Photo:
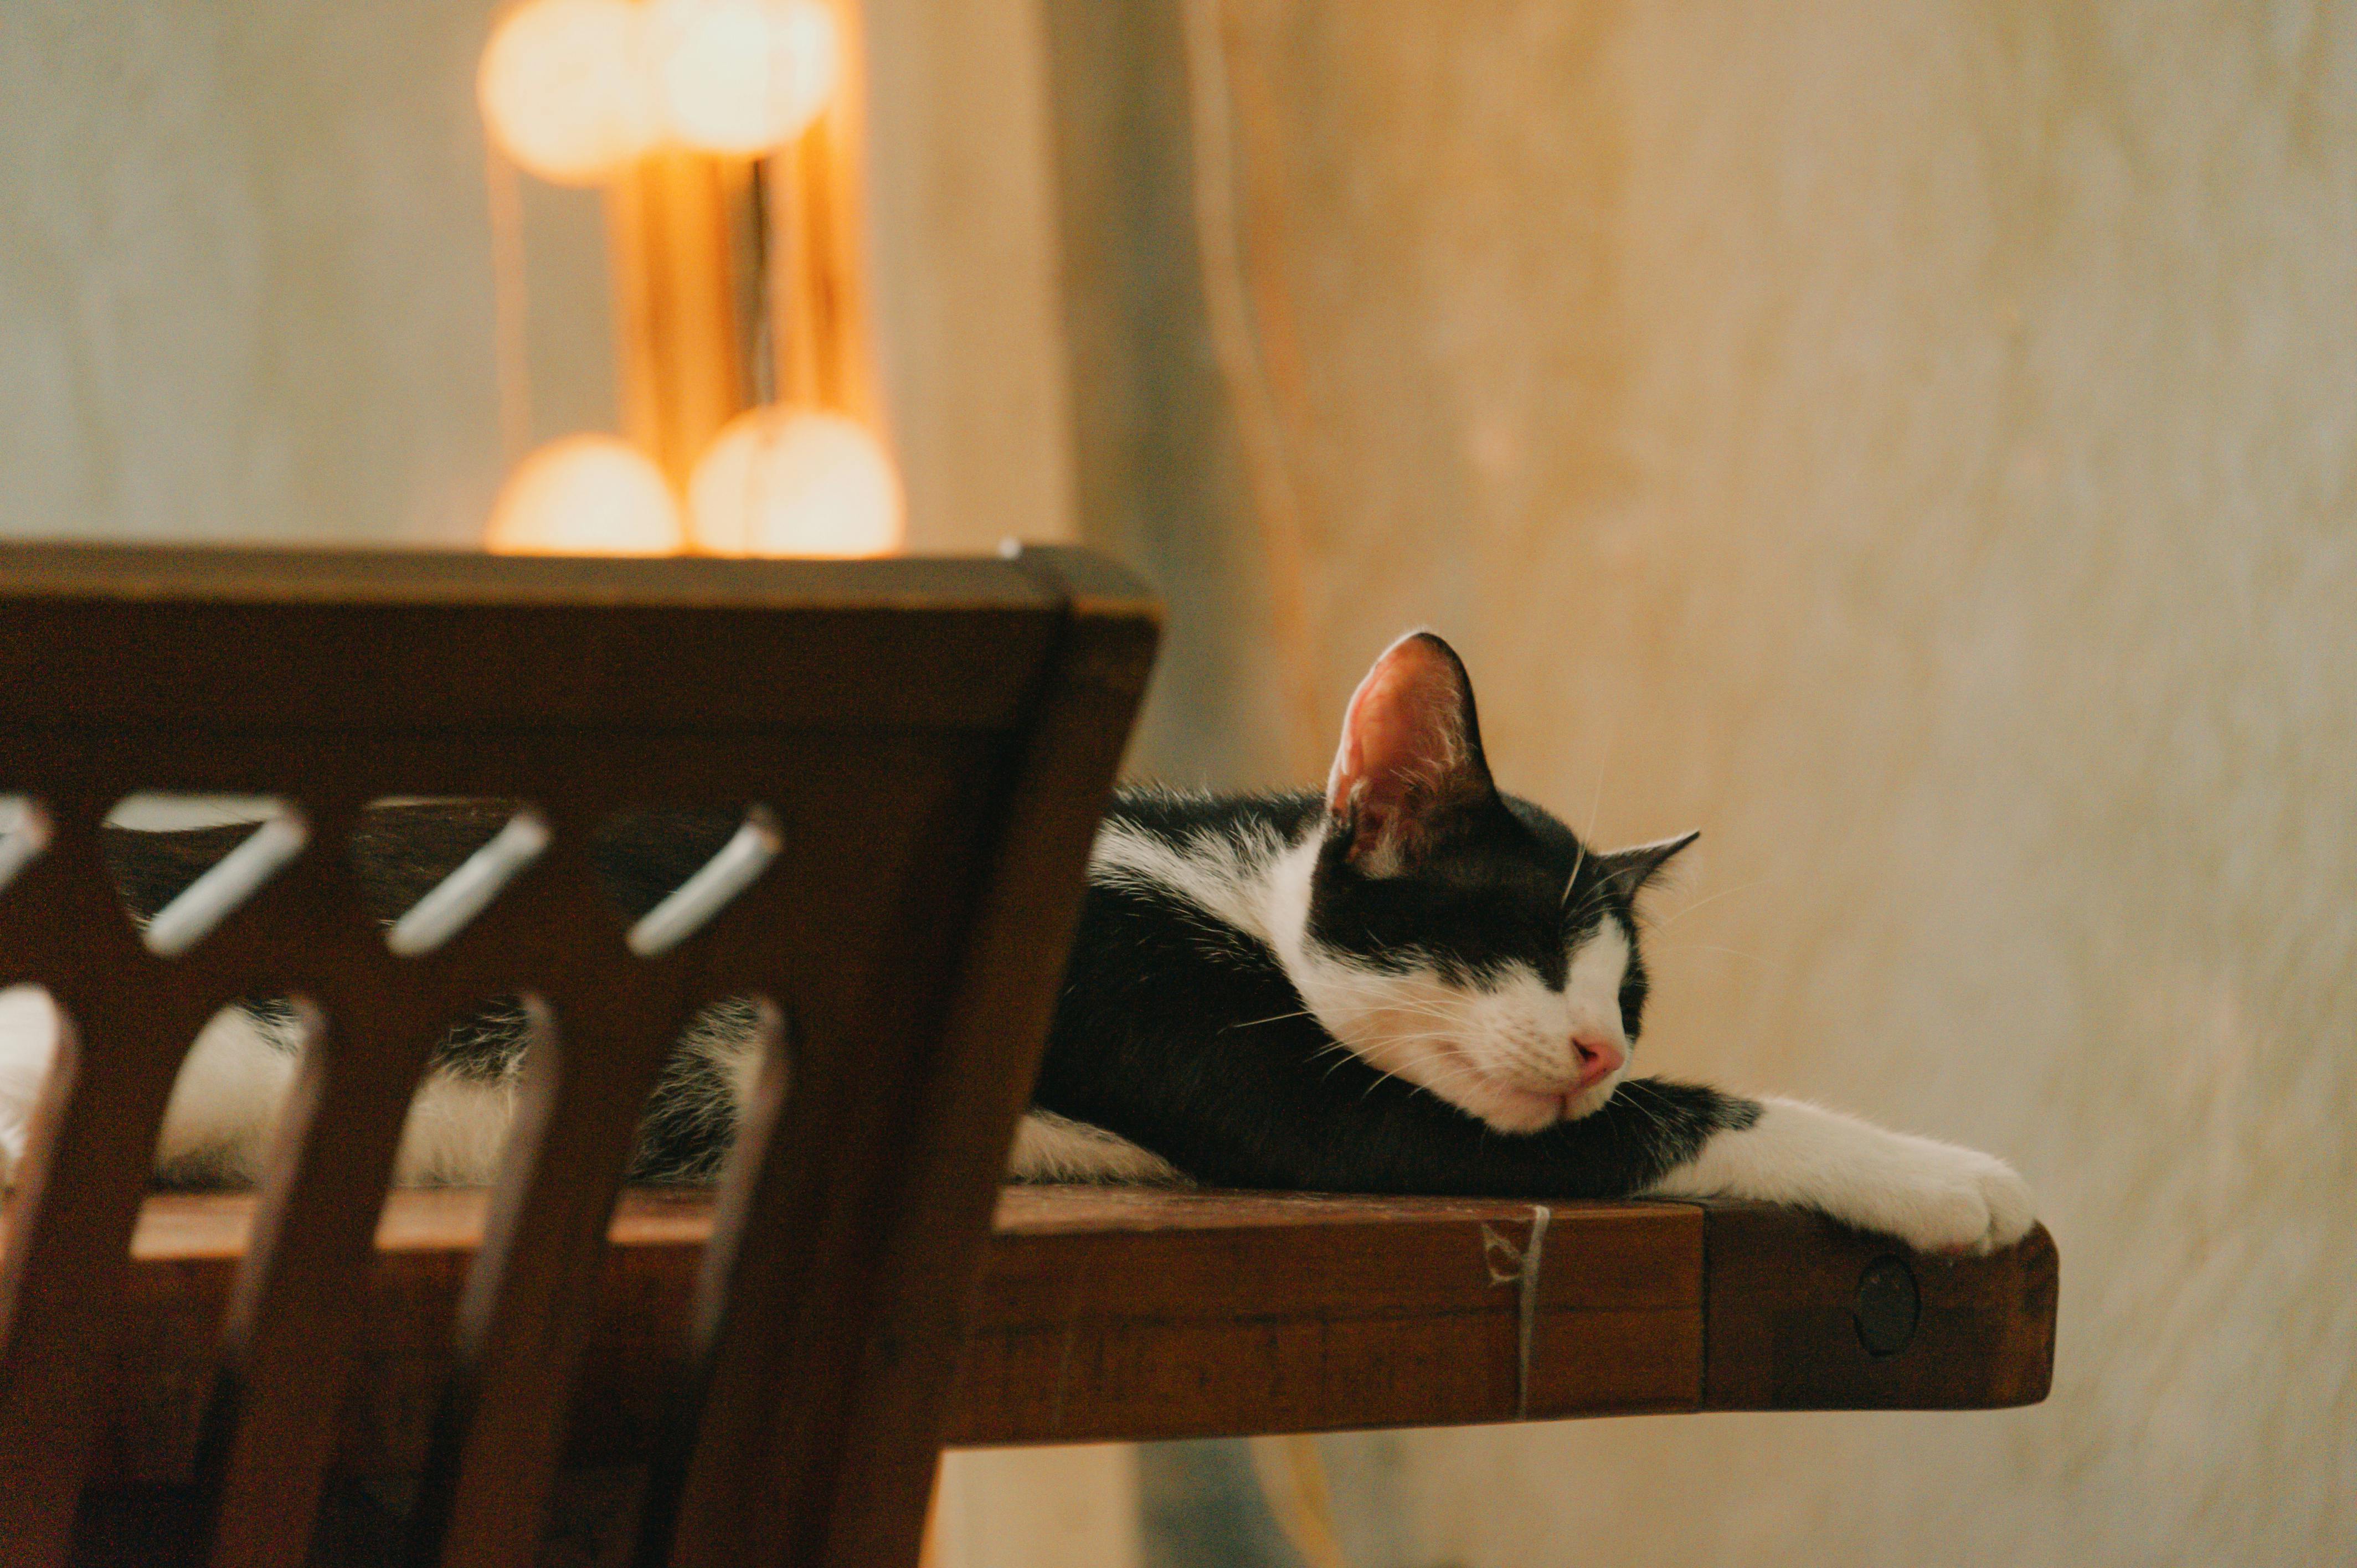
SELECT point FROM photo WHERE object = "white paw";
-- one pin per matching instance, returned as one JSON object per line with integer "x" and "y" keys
{"x": 1938, "y": 1198}
{"x": 1935, "y": 1197}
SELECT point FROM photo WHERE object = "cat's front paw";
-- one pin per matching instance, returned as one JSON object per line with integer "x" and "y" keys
{"x": 1934, "y": 1197}
{"x": 1938, "y": 1198}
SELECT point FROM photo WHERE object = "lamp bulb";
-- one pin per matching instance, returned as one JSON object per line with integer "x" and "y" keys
{"x": 741, "y": 77}
{"x": 563, "y": 88}
{"x": 794, "y": 481}
{"x": 585, "y": 495}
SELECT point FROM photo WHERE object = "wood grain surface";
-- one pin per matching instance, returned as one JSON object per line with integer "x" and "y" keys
{"x": 1143, "y": 1313}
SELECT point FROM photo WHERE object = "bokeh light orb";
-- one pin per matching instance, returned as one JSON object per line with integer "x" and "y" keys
{"x": 586, "y": 495}
{"x": 795, "y": 481}
{"x": 564, "y": 91}
{"x": 740, "y": 76}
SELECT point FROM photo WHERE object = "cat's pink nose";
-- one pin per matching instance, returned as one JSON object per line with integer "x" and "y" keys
{"x": 1597, "y": 1057}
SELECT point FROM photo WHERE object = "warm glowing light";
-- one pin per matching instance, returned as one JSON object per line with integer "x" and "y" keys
{"x": 586, "y": 495}
{"x": 565, "y": 90}
{"x": 794, "y": 481}
{"x": 740, "y": 76}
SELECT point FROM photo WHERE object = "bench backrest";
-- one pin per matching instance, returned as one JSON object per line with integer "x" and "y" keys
{"x": 931, "y": 743}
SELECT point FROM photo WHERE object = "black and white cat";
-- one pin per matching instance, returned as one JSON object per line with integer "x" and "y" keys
{"x": 1412, "y": 984}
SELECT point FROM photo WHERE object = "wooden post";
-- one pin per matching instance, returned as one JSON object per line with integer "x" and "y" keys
{"x": 824, "y": 338}
{"x": 703, "y": 247}
{"x": 678, "y": 221}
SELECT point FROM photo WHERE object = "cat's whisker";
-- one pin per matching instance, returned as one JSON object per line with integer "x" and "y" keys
{"x": 1603, "y": 766}
{"x": 1595, "y": 805}
{"x": 1578, "y": 864}
{"x": 1700, "y": 903}
{"x": 1637, "y": 1104}
{"x": 1273, "y": 1018}
{"x": 1595, "y": 802}
{"x": 1710, "y": 946}
{"x": 1597, "y": 898}
{"x": 1446, "y": 1017}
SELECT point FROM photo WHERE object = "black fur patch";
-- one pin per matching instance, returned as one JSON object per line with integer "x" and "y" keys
{"x": 1501, "y": 883}
{"x": 1186, "y": 1038}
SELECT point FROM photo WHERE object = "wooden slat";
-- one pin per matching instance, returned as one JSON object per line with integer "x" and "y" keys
{"x": 834, "y": 1292}
{"x": 297, "y": 1308}
{"x": 79, "y": 1188}
{"x": 980, "y": 1083}
{"x": 528, "y": 1299}
{"x": 1148, "y": 1314}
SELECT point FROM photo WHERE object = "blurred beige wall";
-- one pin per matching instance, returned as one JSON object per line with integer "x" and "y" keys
{"x": 246, "y": 286}
{"x": 963, "y": 218}
{"x": 1915, "y": 443}
{"x": 244, "y": 274}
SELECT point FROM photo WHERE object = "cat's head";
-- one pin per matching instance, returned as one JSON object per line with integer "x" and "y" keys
{"x": 1458, "y": 937}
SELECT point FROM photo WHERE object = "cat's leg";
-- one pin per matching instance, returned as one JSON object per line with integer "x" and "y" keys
{"x": 29, "y": 1043}
{"x": 456, "y": 1132}
{"x": 225, "y": 1105}
{"x": 1935, "y": 1197}
{"x": 222, "y": 1106}
{"x": 216, "y": 1124}
{"x": 1051, "y": 1148}
{"x": 704, "y": 1094}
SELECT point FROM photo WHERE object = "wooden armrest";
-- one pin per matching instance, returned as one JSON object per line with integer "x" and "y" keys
{"x": 1113, "y": 1313}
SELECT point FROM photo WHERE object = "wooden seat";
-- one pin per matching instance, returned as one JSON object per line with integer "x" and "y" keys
{"x": 773, "y": 1368}
{"x": 1108, "y": 1313}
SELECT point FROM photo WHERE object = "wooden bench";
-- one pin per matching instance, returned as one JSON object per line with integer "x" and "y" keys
{"x": 774, "y": 1367}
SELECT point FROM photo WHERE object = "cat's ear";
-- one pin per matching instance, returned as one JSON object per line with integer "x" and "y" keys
{"x": 1639, "y": 864}
{"x": 1411, "y": 753}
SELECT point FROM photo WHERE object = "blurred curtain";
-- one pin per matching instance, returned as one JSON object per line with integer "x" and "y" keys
{"x": 1914, "y": 444}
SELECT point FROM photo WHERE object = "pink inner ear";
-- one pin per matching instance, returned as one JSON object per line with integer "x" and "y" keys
{"x": 1406, "y": 732}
